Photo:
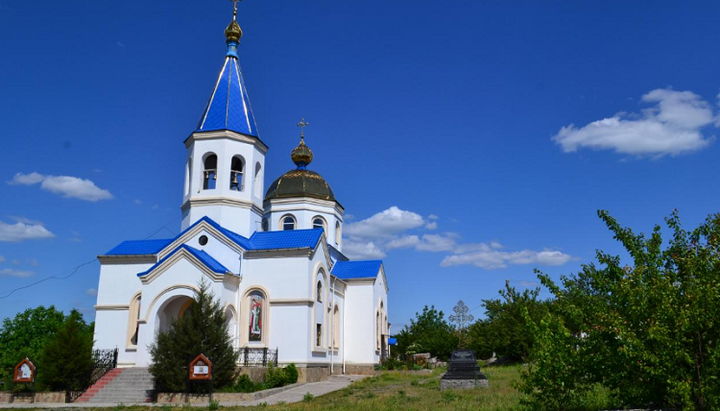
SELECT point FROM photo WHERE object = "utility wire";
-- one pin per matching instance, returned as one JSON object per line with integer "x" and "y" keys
{"x": 74, "y": 271}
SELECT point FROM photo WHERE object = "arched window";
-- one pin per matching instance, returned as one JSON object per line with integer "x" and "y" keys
{"x": 318, "y": 297}
{"x": 133, "y": 321}
{"x": 256, "y": 316}
{"x": 188, "y": 176}
{"x": 336, "y": 327}
{"x": 288, "y": 223}
{"x": 236, "y": 174}
{"x": 210, "y": 172}
{"x": 377, "y": 331}
{"x": 319, "y": 222}
{"x": 258, "y": 180}
{"x": 337, "y": 233}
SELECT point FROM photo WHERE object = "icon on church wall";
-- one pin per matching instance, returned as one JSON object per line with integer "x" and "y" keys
{"x": 256, "y": 318}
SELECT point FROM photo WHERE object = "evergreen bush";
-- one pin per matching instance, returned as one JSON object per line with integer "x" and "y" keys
{"x": 67, "y": 361}
{"x": 203, "y": 329}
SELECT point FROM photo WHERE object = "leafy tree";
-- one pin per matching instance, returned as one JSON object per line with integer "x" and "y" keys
{"x": 503, "y": 331}
{"x": 203, "y": 329}
{"x": 428, "y": 332}
{"x": 67, "y": 358}
{"x": 25, "y": 336}
{"x": 648, "y": 331}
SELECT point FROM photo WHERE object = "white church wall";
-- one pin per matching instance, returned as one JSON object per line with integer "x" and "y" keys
{"x": 238, "y": 211}
{"x": 219, "y": 251}
{"x": 360, "y": 318}
{"x": 289, "y": 332}
{"x": 305, "y": 210}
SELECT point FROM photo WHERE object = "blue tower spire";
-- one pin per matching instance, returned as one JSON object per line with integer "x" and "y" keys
{"x": 229, "y": 105}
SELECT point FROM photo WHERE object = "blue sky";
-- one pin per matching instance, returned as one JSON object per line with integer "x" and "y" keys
{"x": 469, "y": 141}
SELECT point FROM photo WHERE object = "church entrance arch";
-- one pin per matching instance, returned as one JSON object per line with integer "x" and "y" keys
{"x": 174, "y": 307}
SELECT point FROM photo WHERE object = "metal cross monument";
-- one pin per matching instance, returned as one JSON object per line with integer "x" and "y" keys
{"x": 461, "y": 316}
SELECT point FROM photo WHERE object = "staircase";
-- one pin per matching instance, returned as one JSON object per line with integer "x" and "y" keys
{"x": 121, "y": 385}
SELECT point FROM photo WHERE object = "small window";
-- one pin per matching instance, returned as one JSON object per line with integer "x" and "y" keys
{"x": 337, "y": 233}
{"x": 203, "y": 240}
{"x": 318, "y": 338}
{"x": 236, "y": 174}
{"x": 319, "y": 292}
{"x": 265, "y": 225}
{"x": 319, "y": 223}
{"x": 288, "y": 223}
{"x": 210, "y": 172}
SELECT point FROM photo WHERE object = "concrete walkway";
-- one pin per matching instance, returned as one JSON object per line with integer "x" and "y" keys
{"x": 334, "y": 383}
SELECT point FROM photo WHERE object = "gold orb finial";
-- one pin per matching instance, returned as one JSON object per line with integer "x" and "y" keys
{"x": 233, "y": 32}
{"x": 302, "y": 155}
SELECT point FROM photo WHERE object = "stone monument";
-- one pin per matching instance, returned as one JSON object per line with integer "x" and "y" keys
{"x": 463, "y": 372}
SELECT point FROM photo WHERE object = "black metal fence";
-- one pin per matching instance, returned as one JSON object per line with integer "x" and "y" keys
{"x": 257, "y": 357}
{"x": 105, "y": 360}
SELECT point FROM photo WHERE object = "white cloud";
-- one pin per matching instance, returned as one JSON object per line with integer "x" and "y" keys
{"x": 431, "y": 225}
{"x": 362, "y": 250}
{"x": 21, "y": 231}
{"x": 406, "y": 241}
{"x": 16, "y": 273}
{"x": 672, "y": 126}
{"x": 137, "y": 202}
{"x": 2, "y": 259}
{"x": 433, "y": 217}
{"x": 490, "y": 256}
{"x": 528, "y": 284}
{"x": 437, "y": 243}
{"x": 392, "y": 229}
{"x": 67, "y": 186}
{"x": 27, "y": 179}
{"x": 92, "y": 292}
{"x": 385, "y": 224}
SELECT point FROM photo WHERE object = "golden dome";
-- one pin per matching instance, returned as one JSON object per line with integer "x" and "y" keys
{"x": 233, "y": 32}
{"x": 302, "y": 155}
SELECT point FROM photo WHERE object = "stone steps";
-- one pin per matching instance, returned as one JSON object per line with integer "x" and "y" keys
{"x": 121, "y": 385}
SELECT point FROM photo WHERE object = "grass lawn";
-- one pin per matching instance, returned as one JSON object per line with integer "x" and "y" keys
{"x": 401, "y": 390}
{"x": 404, "y": 391}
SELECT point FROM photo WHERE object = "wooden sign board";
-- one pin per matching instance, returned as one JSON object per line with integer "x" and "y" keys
{"x": 24, "y": 372}
{"x": 200, "y": 369}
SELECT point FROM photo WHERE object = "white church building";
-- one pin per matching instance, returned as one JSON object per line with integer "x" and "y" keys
{"x": 273, "y": 258}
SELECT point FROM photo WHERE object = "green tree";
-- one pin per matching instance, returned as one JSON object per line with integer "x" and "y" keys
{"x": 26, "y": 336}
{"x": 428, "y": 332}
{"x": 203, "y": 329}
{"x": 648, "y": 330}
{"x": 503, "y": 331}
{"x": 67, "y": 358}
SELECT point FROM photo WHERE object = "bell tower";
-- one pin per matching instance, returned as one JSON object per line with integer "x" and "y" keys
{"x": 225, "y": 166}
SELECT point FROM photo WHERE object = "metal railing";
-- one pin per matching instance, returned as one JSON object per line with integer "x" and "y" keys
{"x": 257, "y": 357}
{"x": 105, "y": 360}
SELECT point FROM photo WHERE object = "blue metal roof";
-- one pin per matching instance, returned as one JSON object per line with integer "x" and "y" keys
{"x": 392, "y": 341}
{"x": 202, "y": 256}
{"x": 229, "y": 104}
{"x": 235, "y": 237}
{"x": 277, "y": 240}
{"x": 346, "y": 270}
{"x": 140, "y": 247}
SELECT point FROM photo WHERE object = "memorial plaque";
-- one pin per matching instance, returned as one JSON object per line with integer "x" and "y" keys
{"x": 200, "y": 368}
{"x": 24, "y": 372}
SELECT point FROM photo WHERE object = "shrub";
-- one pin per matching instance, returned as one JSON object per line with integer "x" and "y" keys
{"x": 291, "y": 374}
{"x": 67, "y": 357}
{"x": 203, "y": 329}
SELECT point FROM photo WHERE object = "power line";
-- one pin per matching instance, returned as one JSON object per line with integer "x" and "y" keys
{"x": 60, "y": 278}
{"x": 53, "y": 277}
